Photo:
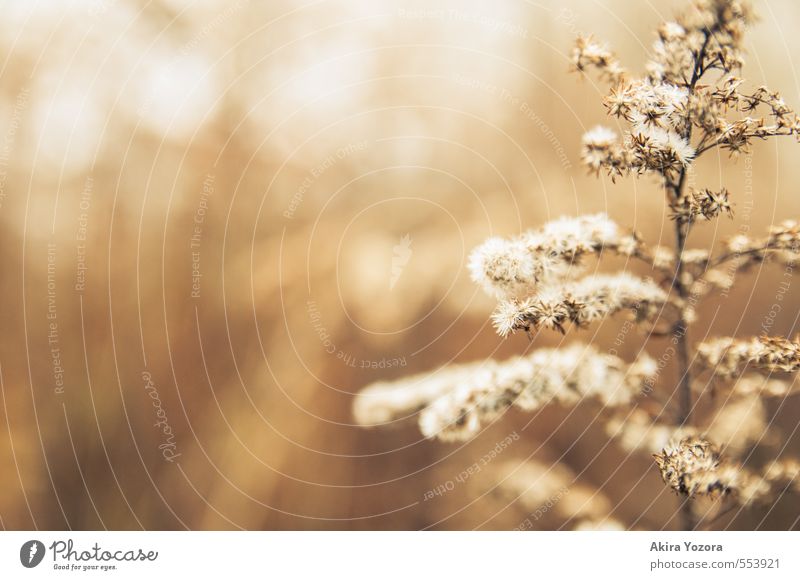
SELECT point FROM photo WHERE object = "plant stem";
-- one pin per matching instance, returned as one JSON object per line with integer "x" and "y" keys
{"x": 687, "y": 520}
{"x": 681, "y": 333}
{"x": 687, "y": 517}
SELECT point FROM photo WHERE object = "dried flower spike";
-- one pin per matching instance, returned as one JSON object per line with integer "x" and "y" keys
{"x": 509, "y": 267}
{"x": 589, "y": 54}
{"x": 693, "y": 466}
{"x": 458, "y": 400}
{"x": 580, "y": 303}
{"x": 730, "y": 357}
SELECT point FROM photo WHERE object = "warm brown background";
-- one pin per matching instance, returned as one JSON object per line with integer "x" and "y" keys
{"x": 447, "y": 126}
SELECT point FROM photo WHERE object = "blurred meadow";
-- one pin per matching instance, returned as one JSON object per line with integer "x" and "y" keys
{"x": 221, "y": 220}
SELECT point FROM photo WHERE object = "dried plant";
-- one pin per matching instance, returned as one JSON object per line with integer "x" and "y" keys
{"x": 553, "y": 494}
{"x": 689, "y": 102}
{"x": 456, "y": 401}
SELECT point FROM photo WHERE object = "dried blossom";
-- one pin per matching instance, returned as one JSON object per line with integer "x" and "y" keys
{"x": 566, "y": 376}
{"x": 696, "y": 258}
{"x": 508, "y": 267}
{"x": 636, "y": 430}
{"x": 735, "y": 426}
{"x": 663, "y": 258}
{"x": 785, "y": 236}
{"x": 663, "y": 107}
{"x": 553, "y": 492}
{"x": 589, "y": 54}
{"x": 649, "y": 106}
{"x": 580, "y": 303}
{"x": 707, "y": 37}
{"x": 739, "y": 424}
{"x": 781, "y": 245}
{"x": 736, "y": 135}
{"x": 715, "y": 278}
{"x": 783, "y": 473}
{"x": 459, "y": 399}
{"x": 776, "y": 478}
{"x": 762, "y": 386}
{"x": 660, "y": 150}
{"x": 703, "y": 204}
{"x": 729, "y": 357}
{"x": 385, "y": 401}
{"x": 602, "y": 150}
{"x": 646, "y": 149}
{"x": 689, "y": 101}
{"x": 692, "y": 466}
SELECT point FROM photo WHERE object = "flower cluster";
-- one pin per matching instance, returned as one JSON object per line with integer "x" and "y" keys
{"x": 669, "y": 116}
{"x": 589, "y": 54}
{"x": 693, "y": 467}
{"x": 534, "y": 275}
{"x": 580, "y": 302}
{"x": 784, "y": 473}
{"x": 664, "y": 107}
{"x": 386, "y": 401}
{"x": 635, "y": 430}
{"x": 730, "y": 357}
{"x": 660, "y": 150}
{"x": 510, "y": 267}
{"x": 735, "y": 427}
{"x": 457, "y": 400}
{"x": 740, "y": 424}
{"x": 647, "y": 147}
{"x": 712, "y": 29}
{"x": 656, "y": 141}
{"x": 647, "y": 105}
{"x": 782, "y": 243}
{"x": 762, "y": 386}
{"x": 602, "y": 150}
{"x": 736, "y": 135}
{"x": 704, "y": 204}
{"x": 785, "y": 236}
{"x": 552, "y": 491}
{"x": 776, "y": 478}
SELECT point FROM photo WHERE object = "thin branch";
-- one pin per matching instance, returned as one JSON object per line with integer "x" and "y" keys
{"x": 688, "y": 520}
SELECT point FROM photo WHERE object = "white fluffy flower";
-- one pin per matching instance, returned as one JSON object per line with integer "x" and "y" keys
{"x": 599, "y": 137}
{"x": 457, "y": 401}
{"x": 502, "y": 266}
{"x": 508, "y": 268}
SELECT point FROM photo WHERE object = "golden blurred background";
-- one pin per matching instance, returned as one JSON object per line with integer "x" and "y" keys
{"x": 220, "y": 220}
